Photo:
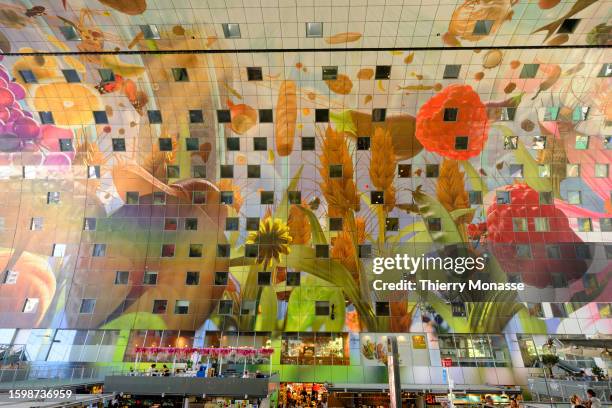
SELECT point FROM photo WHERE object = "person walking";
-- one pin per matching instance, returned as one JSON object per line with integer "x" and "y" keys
{"x": 575, "y": 401}
{"x": 592, "y": 400}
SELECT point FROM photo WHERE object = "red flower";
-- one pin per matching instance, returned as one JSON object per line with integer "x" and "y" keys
{"x": 440, "y": 136}
{"x": 525, "y": 221}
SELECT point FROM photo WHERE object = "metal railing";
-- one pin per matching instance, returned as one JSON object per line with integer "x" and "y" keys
{"x": 52, "y": 376}
{"x": 556, "y": 390}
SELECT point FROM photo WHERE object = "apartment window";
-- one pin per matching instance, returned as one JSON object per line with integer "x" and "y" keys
{"x": 160, "y": 306}
{"x": 254, "y": 74}
{"x": 36, "y": 224}
{"x": 232, "y": 224}
{"x": 605, "y": 224}
{"x": 93, "y": 172}
{"x": 461, "y": 142}
{"x": 322, "y": 115}
{"x": 434, "y": 224}
{"x": 149, "y": 278}
{"x": 383, "y": 72}
{"x": 451, "y": 71}
{"x": 170, "y": 224}
{"x": 122, "y": 277}
{"x": 253, "y": 171}
{"x": 155, "y": 116}
{"x": 308, "y": 143}
{"x": 558, "y": 309}
{"x": 382, "y": 309}
{"x": 100, "y": 117}
{"x": 58, "y": 250}
{"x": 165, "y": 144}
{"x": 294, "y": 197}
{"x": 150, "y": 32}
{"x": 502, "y": 197}
{"x": 606, "y": 70}
{"x": 608, "y": 249}
{"x": 233, "y": 144}
{"x": 475, "y": 197}
{"x": 106, "y": 75}
{"x": 583, "y": 251}
{"x": 507, "y": 114}
{"x": 71, "y": 75}
{"x": 322, "y": 251}
{"x": 132, "y": 197}
{"x": 529, "y": 71}
{"x": 379, "y": 115}
{"x": 87, "y": 306}
{"x": 510, "y": 142}
{"x": 450, "y": 114}
{"x": 30, "y": 305}
{"x": 99, "y": 250}
{"x": 568, "y": 25}
{"x": 541, "y": 224}
{"x": 260, "y": 144}
{"x": 252, "y": 223}
{"x": 118, "y": 145}
{"x": 377, "y": 197}
{"x": 223, "y": 250}
{"x": 322, "y": 308}
{"x": 458, "y": 309}
{"x": 585, "y": 225}
{"x": 10, "y": 277}
{"x": 167, "y": 250}
{"x": 293, "y": 279}
{"x": 181, "y": 307}
{"x": 266, "y": 116}
{"x": 580, "y": 113}
{"x": 335, "y": 224}
{"x": 46, "y": 118}
{"x": 523, "y": 251}
{"x": 28, "y": 76}
{"x": 53, "y": 197}
{"x": 159, "y": 198}
{"x": 70, "y": 33}
{"x": 264, "y": 278}
{"x": 89, "y": 224}
{"x": 226, "y": 197}
{"x": 539, "y": 142}
{"x": 180, "y": 74}
{"x": 363, "y": 143}
{"x": 192, "y": 144}
{"x": 267, "y": 197}
{"x": 432, "y": 170}
{"x": 231, "y": 30}
{"x": 65, "y": 145}
{"x": 483, "y": 27}
{"x": 329, "y": 73}
{"x": 198, "y": 171}
{"x": 173, "y": 171}
{"x": 574, "y": 197}
{"x": 551, "y": 113}
{"x": 516, "y": 170}
{"x": 544, "y": 170}
{"x": 225, "y": 307}
{"x": 365, "y": 251}
{"x": 191, "y": 224}
{"x": 545, "y": 197}
{"x": 251, "y": 251}
{"x": 314, "y": 30}
{"x": 335, "y": 170}
{"x": 227, "y": 171}
{"x": 221, "y": 278}
{"x": 224, "y": 116}
{"x": 404, "y": 170}
{"x": 392, "y": 224}
{"x": 519, "y": 224}
{"x": 573, "y": 170}
{"x": 192, "y": 278}
{"x": 582, "y": 142}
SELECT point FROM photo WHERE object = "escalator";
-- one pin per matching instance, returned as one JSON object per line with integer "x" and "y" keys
{"x": 569, "y": 368}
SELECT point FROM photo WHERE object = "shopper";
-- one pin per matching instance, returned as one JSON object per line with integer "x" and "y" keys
{"x": 575, "y": 401}
{"x": 513, "y": 403}
{"x": 592, "y": 400}
{"x": 201, "y": 372}
{"x": 165, "y": 371}
{"x": 245, "y": 374}
{"x": 153, "y": 372}
{"x": 489, "y": 402}
{"x": 258, "y": 374}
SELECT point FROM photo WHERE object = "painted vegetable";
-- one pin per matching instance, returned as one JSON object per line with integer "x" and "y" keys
{"x": 553, "y": 75}
{"x": 286, "y": 117}
{"x": 243, "y": 117}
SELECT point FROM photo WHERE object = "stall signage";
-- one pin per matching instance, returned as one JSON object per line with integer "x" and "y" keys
{"x": 447, "y": 362}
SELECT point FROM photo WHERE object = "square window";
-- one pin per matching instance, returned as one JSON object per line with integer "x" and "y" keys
{"x": 519, "y": 224}
{"x": 198, "y": 171}
{"x": 165, "y": 144}
{"x": 181, "y": 307}
{"x": 329, "y": 73}
{"x": 541, "y": 224}
{"x": 224, "y": 116}
{"x": 544, "y": 170}
{"x": 167, "y": 250}
{"x": 28, "y": 76}
{"x": 546, "y": 197}
{"x": 322, "y": 115}
{"x": 264, "y": 278}
{"x": 118, "y": 145}
{"x": 558, "y": 281}
{"x": 507, "y": 114}
{"x": 87, "y": 306}
{"x": 65, "y": 145}
{"x": 198, "y": 197}
{"x": 322, "y": 251}
{"x": 226, "y": 197}
{"x": 132, "y": 197}
{"x": 192, "y": 278}
{"x": 225, "y": 307}
{"x": 551, "y": 113}
{"x": 432, "y": 170}
{"x": 582, "y": 142}
{"x": 267, "y": 197}
{"x": 516, "y": 170}
{"x": 585, "y": 225}
{"x": 180, "y": 74}
{"x": 159, "y": 198}
{"x": 70, "y": 33}
{"x": 392, "y": 224}
{"x": 170, "y": 224}
{"x": 196, "y": 116}
{"x": 451, "y": 71}
{"x": 450, "y": 114}
{"x": 308, "y": 143}
{"x": 93, "y": 172}
{"x": 231, "y": 30}
{"x": 221, "y": 278}
{"x": 71, "y": 75}
{"x": 483, "y": 27}
{"x": 191, "y": 224}
{"x": 122, "y": 277}
{"x": 502, "y": 197}
{"x": 379, "y": 115}
{"x": 227, "y": 171}
{"x": 608, "y": 249}
{"x": 322, "y": 308}
{"x": 232, "y": 224}
{"x": 510, "y": 142}
{"x": 605, "y": 224}
{"x": 335, "y": 224}
{"x": 404, "y": 170}
{"x": 383, "y": 309}
{"x": 254, "y": 74}
{"x": 100, "y": 117}
{"x": 233, "y": 144}
{"x": 580, "y": 113}
{"x": 160, "y": 306}
{"x": 363, "y": 143}
{"x": 335, "y": 170}
{"x": 365, "y": 251}
{"x": 149, "y": 278}
{"x": 260, "y": 144}
{"x": 192, "y": 144}
{"x": 36, "y": 224}
{"x": 583, "y": 251}
{"x": 150, "y": 32}
{"x": 99, "y": 250}
{"x": 383, "y": 72}
{"x": 106, "y": 75}
{"x": 266, "y": 116}
{"x": 252, "y": 223}
{"x": 314, "y": 30}
{"x": 46, "y": 118}
{"x": 53, "y": 197}
{"x": 606, "y": 70}
{"x": 30, "y": 305}
{"x": 377, "y": 197}
{"x": 573, "y": 170}
{"x": 461, "y": 142}
{"x": 529, "y": 71}
{"x": 89, "y": 224}
{"x": 475, "y": 197}
{"x": 458, "y": 309}
{"x": 154, "y": 116}
{"x": 568, "y": 26}
{"x": 295, "y": 197}
{"x": 574, "y": 197}
{"x": 251, "y": 250}
{"x": 434, "y": 224}
{"x": 539, "y": 143}
{"x": 253, "y": 171}
{"x": 293, "y": 279}
{"x": 523, "y": 251}
{"x": 173, "y": 171}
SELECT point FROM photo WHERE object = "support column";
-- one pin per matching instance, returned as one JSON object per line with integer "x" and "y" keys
{"x": 395, "y": 384}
